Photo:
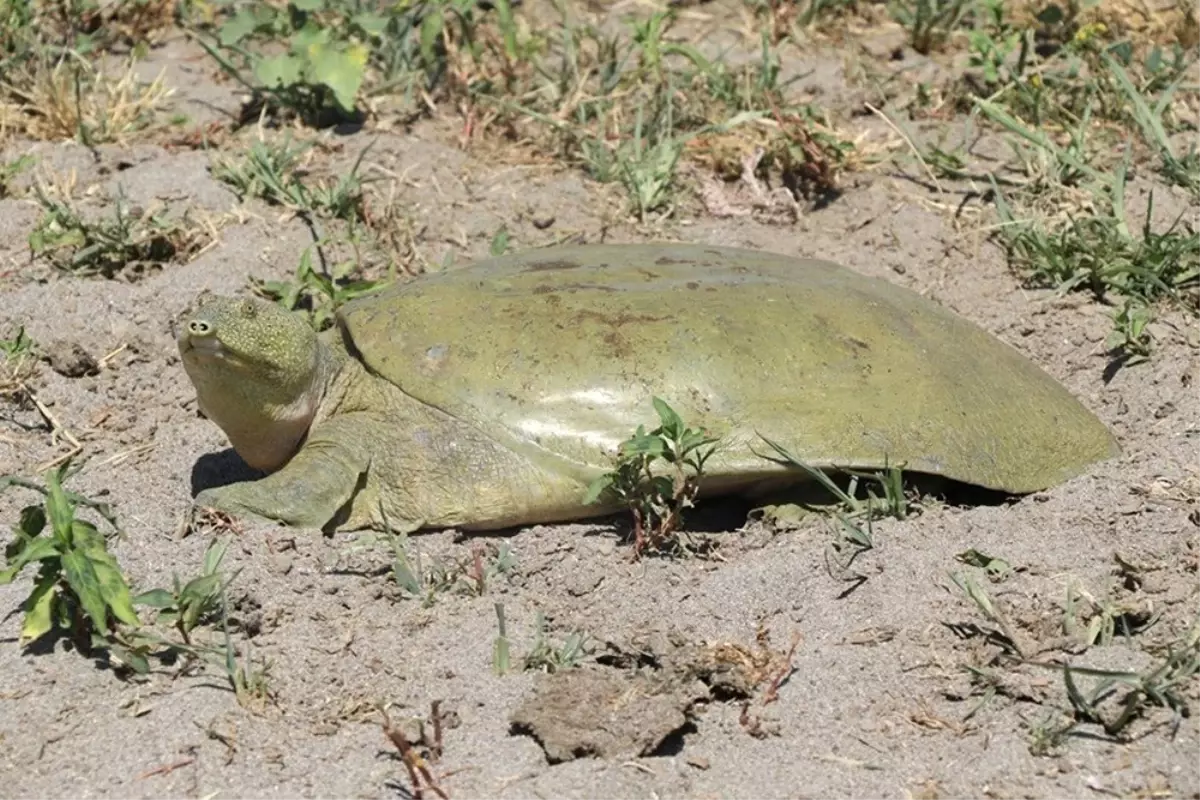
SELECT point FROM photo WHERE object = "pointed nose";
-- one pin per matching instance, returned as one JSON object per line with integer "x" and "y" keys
{"x": 199, "y": 327}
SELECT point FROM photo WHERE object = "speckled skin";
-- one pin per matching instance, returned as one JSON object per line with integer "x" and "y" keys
{"x": 489, "y": 396}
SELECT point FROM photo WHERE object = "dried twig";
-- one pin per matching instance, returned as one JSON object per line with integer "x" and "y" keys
{"x": 165, "y": 769}
{"x": 784, "y": 673}
{"x": 56, "y": 429}
{"x": 414, "y": 762}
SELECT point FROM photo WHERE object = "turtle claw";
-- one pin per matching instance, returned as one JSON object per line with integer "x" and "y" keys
{"x": 225, "y": 499}
{"x": 311, "y": 492}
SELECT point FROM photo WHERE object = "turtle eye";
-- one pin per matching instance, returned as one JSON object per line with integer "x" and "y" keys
{"x": 248, "y": 309}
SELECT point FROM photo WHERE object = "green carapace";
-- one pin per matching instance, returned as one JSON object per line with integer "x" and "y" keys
{"x": 491, "y": 395}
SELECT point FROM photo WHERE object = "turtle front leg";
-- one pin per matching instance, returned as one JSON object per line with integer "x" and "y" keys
{"x": 314, "y": 489}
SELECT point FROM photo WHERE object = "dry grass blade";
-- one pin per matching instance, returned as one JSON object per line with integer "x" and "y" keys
{"x": 74, "y": 99}
{"x": 992, "y": 612}
{"x": 57, "y": 429}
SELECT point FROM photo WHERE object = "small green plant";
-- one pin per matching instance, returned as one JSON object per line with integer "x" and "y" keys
{"x": 501, "y": 659}
{"x": 409, "y": 572}
{"x": 1162, "y": 685}
{"x": 657, "y": 501}
{"x": 1091, "y": 621}
{"x": 645, "y": 163}
{"x": 1181, "y": 170}
{"x": 249, "y": 679}
{"x": 79, "y": 587}
{"x": 130, "y": 241}
{"x": 997, "y": 569}
{"x": 426, "y": 580}
{"x": 1097, "y": 252}
{"x": 630, "y": 107}
{"x": 855, "y": 515}
{"x": 18, "y": 347}
{"x": 894, "y": 499}
{"x": 475, "y": 578}
{"x": 1130, "y": 340}
{"x": 782, "y": 17}
{"x": 186, "y": 605}
{"x": 547, "y": 657}
{"x": 1005, "y": 634}
{"x": 271, "y": 171}
{"x": 647, "y": 168}
{"x": 321, "y": 68}
{"x": 316, "y": 294}
{"x": 1049, "y": 735}
{"x": 930, "y": 23}
{"x": 499, "y": 245}
{"x": 1068, "y": 164}
{"x": 991, "y": 53}
{"x": 17, "y": 366}
{"x": 10, "y": 171}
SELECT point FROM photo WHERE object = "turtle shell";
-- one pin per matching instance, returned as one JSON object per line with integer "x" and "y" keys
{"x": 559, "y": 351}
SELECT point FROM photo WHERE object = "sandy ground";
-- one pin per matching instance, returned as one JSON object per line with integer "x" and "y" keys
{"x": 880, "y": 703}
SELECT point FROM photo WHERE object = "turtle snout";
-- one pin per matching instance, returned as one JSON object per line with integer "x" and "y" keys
{"x": 199, "y": 335}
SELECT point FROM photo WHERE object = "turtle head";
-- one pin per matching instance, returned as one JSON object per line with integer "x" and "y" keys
{"x": 259, "y": 372}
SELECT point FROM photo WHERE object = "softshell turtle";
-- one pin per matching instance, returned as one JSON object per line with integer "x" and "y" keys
{"x": 490, "y": 395}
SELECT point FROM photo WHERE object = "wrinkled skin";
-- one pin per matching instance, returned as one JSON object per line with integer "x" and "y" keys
{"x": 490, "y": 395}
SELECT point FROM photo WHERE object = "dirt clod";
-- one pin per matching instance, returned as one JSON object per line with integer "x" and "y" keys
{"x": 605, "y": 713}
{"x": 69, "y": 359}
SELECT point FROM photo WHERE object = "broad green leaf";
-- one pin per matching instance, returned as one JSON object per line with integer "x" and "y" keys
{"x": 59, "y": 508}
{"x": 38, "y": 607}
{"x": 84, "y": 535}
{"x": 508, "y": 27}
{"x": 82, "y": 578}
{"x": 38, "y": 549}
{"x": 661, "y": 484}
{"x": 693, "y": 438}
{"x": 96, "y": 579}
{"x": 405, "y": 578}
{"x": 155, "y": 598}
{"x": 1050, "y": 15}
{"x": 431, "y": 31}
{"x": 279, "y": 71}
{"x": 371, "y": 24}
{"x": 203, "y": 586}
{"x": 648, "y": 445}
{"x": 1154, "y": 61}
{"x": 238, "y": 27}
{"x": 114, "y": 589}
{"x": 310, "y": 36}
{"x": 670, "y": 420}
{"x": 33, "y": 521}
{"x": 125, "y": 655}
{"x": 341, "y": 70}
{"x": 597, "y": 488}
{"x": 215, "y": 554}
{"x": 499, "y": 244}
{"x": 191, "y": 612}
{"x": 42, "y": 240}
{"x": 308, "y": 5}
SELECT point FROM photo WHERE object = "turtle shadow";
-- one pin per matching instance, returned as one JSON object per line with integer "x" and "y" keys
{"x": 732, "y": 512}
{"x": 212, "y": 470}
